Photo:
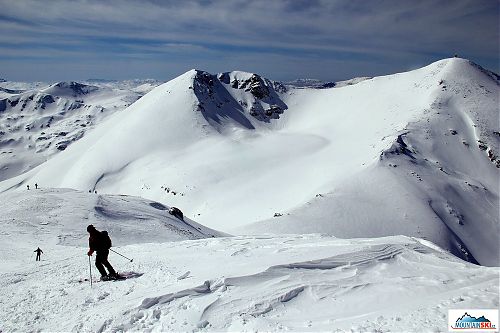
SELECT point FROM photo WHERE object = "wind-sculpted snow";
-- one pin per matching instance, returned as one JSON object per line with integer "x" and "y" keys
{"x": 254, "y": 283}
{"x": 366, "y": 256}
{"x": 337, "y": 292}
{"x": 150, "y": 302}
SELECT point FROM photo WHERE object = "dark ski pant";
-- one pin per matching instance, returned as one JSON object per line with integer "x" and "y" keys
{"x": 101, "y": 260}
{"x": 38, "y": 257}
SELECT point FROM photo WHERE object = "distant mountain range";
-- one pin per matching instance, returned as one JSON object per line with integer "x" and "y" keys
{"x": 38, "y": 120}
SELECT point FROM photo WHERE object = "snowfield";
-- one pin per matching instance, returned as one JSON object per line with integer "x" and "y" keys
{"x": 245, "y": 283}
{"x": 369, "y": 206}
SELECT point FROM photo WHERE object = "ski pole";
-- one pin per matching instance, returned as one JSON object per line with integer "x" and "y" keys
{"x": 122, "y": 255}
{"x": 90, "y": 267}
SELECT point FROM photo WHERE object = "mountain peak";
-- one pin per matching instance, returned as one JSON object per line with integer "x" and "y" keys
{"x": 466, "y": 68}
{"x": 71, "y": 88}
{"x": 246, "y": 98}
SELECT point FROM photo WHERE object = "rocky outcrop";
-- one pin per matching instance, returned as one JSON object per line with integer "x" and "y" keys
{"x": 217, "y": 95}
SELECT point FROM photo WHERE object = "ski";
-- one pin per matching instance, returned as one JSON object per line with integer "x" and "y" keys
{"x": 120, "y": 277}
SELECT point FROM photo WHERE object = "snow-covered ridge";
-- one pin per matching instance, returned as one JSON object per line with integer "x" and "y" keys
{"x": 318, "y": 84}
{"x": 441, "y": 166}
{"x": 398, "y": 154}
{"x": 60, "y": 217}
{"x": 349, "y": 82}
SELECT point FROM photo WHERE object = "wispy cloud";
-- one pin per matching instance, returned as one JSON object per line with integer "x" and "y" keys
{"x": 389, "y": 34}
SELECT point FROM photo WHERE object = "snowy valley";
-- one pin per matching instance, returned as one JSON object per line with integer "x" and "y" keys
{"x": 369, "y": 205}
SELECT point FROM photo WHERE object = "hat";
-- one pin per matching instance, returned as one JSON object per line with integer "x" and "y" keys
{"x": 90, "y": 228}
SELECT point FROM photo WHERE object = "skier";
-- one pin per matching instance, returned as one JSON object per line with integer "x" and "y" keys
{"x": 38, "y": 252}
{"x": 36, "y": 186}
{"x": 28, "y": 187}
{"x": 100, "y": 242}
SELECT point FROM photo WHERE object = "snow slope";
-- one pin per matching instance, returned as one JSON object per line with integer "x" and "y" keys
{"x": 440, "y": 167}
{"x": 54, "y": 218}
{"x": 306, "y": 283}
{"x": 185, "y": 279}
{"x": 412, "y": 153}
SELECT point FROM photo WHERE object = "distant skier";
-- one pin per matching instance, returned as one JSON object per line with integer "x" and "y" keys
{"x": 100, "y": 242}
{"x": 28, "y": 187}
{"x": 38, "y": 252}
{"x": 36, "y": 186}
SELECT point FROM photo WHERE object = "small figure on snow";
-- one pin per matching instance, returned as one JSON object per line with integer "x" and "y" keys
{"x": 38, "y": 252}
{"x": 28, "y": 187}
{"x": 36, "y": 186}
{"x": 100, "y": 242}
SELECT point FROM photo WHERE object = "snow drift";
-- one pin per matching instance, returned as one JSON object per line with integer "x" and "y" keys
{"x": 306, "y": 283}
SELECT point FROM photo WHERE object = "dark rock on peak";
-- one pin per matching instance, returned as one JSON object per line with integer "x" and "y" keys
{"x": 224, "y": 78}
{"x": 328, "y": 85}
{"x": 257, "y": 86}
{"x": 73, "y": 88}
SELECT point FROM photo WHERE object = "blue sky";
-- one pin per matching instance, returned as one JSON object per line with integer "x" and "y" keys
{"x": 280, "y": 39}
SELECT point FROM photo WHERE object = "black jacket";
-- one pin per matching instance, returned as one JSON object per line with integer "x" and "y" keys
{"x": 98, "y": 241}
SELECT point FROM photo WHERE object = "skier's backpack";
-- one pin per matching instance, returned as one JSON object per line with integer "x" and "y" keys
{"x": 106, "y": 241}
{"x": 176, "y": 212}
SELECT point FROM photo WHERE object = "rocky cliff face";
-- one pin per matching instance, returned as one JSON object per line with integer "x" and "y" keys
{"x": 241, "y": 93}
